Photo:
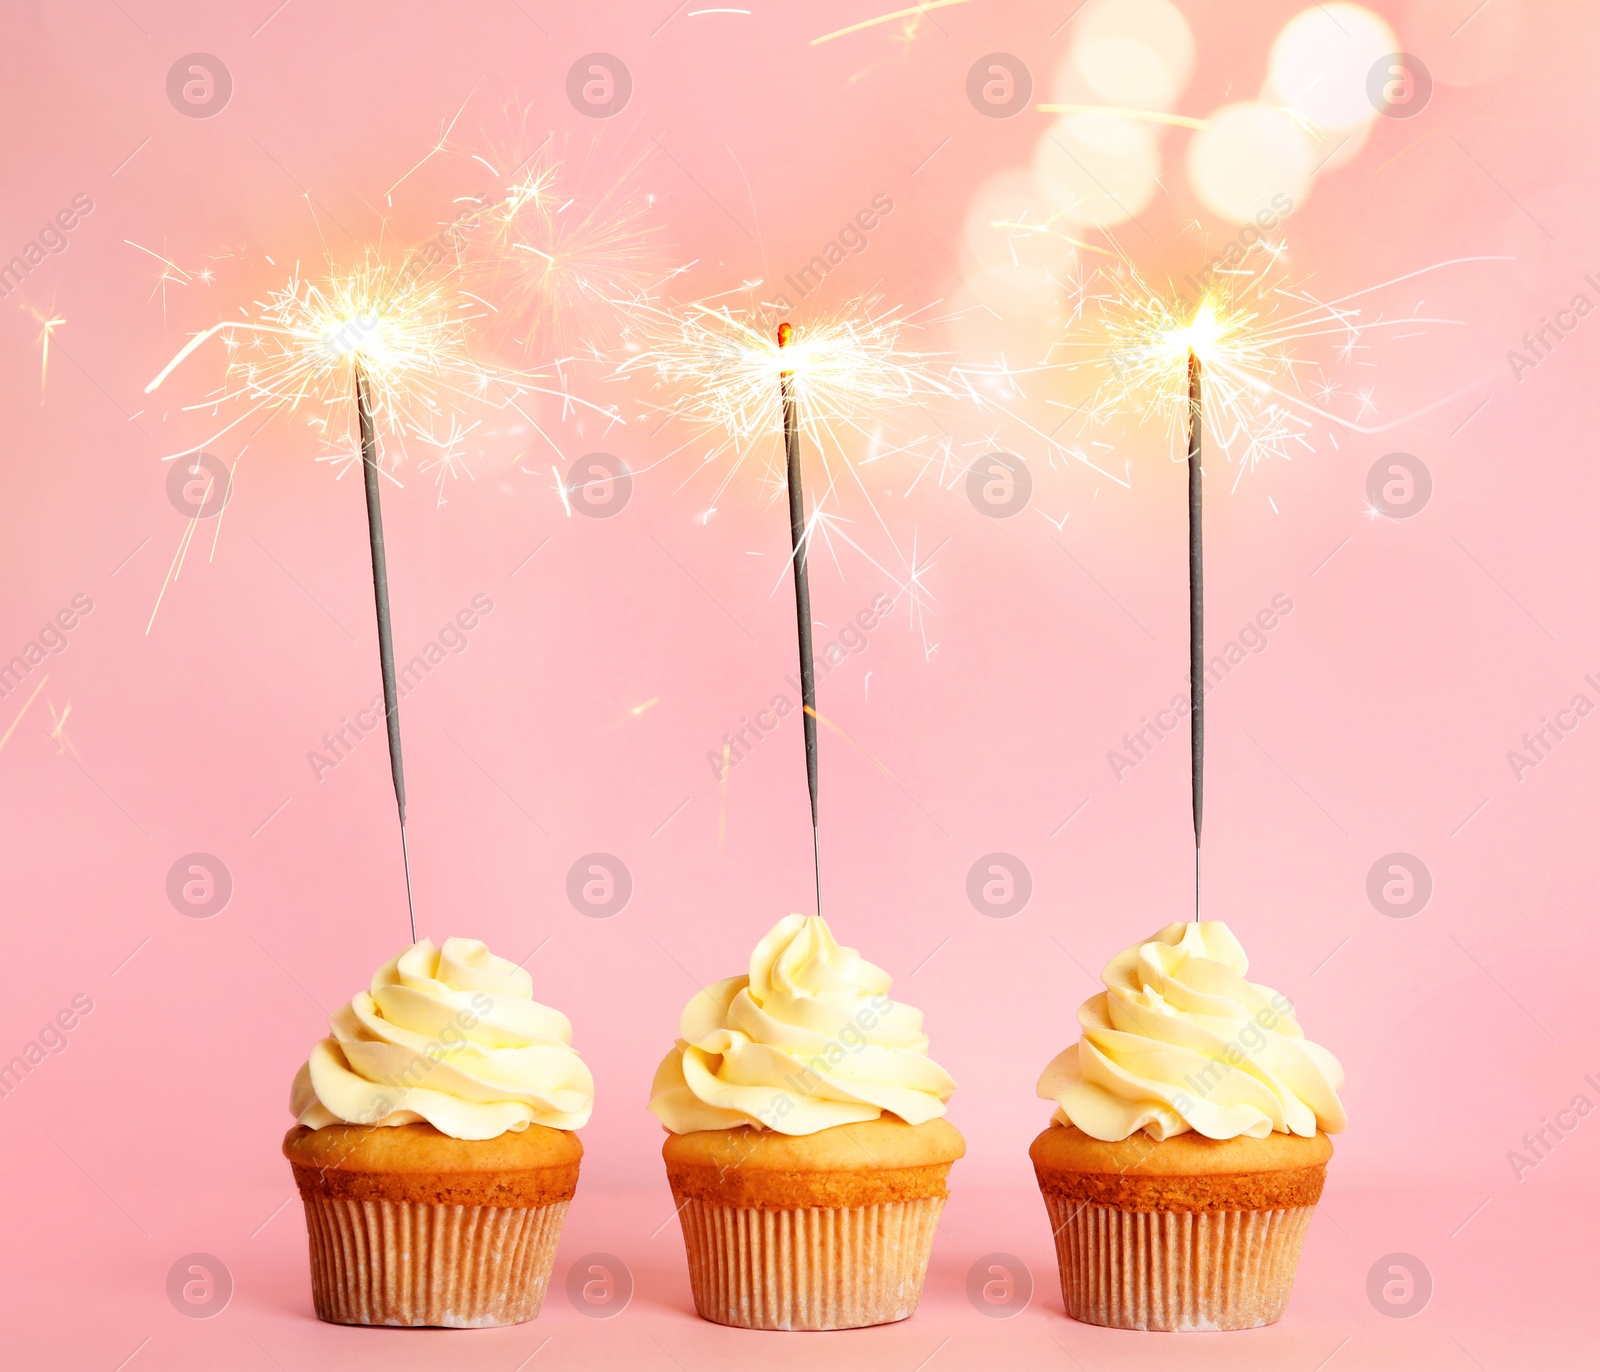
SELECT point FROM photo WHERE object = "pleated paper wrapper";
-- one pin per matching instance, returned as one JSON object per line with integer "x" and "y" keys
{"x": 412, "y": 1263}
{"x": 808, "y": 1268}
{"x": 1175, "y": 1270}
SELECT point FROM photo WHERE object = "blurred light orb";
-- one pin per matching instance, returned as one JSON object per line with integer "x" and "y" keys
{"x": 1249, "y": 155}
{"x": 1135, "y": 53}
{"x": 1320, "y": 61}
{"x": 1011, "y": 223}
{"x": 1097, "y": 169}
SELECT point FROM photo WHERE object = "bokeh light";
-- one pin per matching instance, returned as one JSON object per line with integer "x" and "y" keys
{"x": 1098, "y": 170}
{"x": 1320, "y": 61}
{"x": 1249, "y": 156}
{"x": 1135, "y": 53}
{"x": 1011, "y": 224}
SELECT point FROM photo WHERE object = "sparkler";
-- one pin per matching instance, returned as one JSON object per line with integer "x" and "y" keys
{"x": 802, "y": 589}
{"x": 397, "y": 344}
{"x": 723, "y": 373}
{"x": 1197, "y": 622}
{"x": 1159, "y": 355}
{"x": 380, "y": 595}
{"x": 1254, "y": 330}
{"x": 718, "y": 369}
{"x": 1160, "y": 343}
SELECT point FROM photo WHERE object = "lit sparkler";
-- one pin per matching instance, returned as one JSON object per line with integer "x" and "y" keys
{"x": 715, "y": 369}
{"x": 1253, "y": 330}
{"x": 736, "y": 381}
{"x": 393, "y": 344}
{"x": 1228, "y": 357}
{"x": 719, "y": 370}
{"x": 304, "y": 345}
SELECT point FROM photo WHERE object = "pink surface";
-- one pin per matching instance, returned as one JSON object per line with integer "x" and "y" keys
{"x": 578, "y": 718}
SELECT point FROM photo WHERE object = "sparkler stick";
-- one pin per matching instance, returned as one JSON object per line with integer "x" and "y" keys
{"x": 1197, "y": 622}
{"x": 1155, "y": 355}
{"x": 398, "y": 342}
{"x": 380, "y": 590}
{"x": 802, "y": 591}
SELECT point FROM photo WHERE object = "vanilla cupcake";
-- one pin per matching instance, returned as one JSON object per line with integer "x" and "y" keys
{"x": 1190, "y": 1140}
{"x": 433, "y": 1145}
{"x": 806, "y": 1149}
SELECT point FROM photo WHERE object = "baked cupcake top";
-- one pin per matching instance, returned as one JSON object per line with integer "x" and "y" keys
{"x": 1179, "y": 1040}
{"x": 809, "y": 1039}
{"x": 451, "y": 1036}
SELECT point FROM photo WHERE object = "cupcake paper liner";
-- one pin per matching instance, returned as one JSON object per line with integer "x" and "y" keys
{"x": 1175, "y": 1270}
{"x": 811, "y": 1268}
{"x": 409, "y": 1263}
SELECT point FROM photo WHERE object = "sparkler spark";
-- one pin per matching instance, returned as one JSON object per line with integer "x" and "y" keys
{"x": 47, "y": 326}
{"x": 171, "y": 274}
{"x": 717, "y": 370}
{"x": 556, "y": 254}
{"x": 720, "y": 371}
{"x": 58, "y": 728}
{"x": 913, "y": 12}
{"x": 302, "y": 348}
{"x": 1251, "y": 329}
{"x": 305, "y": 343}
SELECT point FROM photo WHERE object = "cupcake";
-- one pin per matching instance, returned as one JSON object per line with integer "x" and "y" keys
{"x": 1189, "y": 1143}
{"x": 434, "y": 1145}
{"x": 806, "y": 1145}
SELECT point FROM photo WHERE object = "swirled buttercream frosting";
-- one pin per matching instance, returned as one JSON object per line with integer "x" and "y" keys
{"x": 809, "y": 1039}
{"x": 1179, "y": 1040}
{"x": 451, "y": 1036}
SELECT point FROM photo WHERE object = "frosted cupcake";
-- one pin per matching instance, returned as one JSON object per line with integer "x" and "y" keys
{"x": 433, "y": 1146}
{"x": 1190, "y": 1140}
{"x": 807, "y": 1149}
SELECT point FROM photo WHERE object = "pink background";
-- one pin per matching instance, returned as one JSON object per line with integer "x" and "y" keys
{"x": 1378, "y": 720}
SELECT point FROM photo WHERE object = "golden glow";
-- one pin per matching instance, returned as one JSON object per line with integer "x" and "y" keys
{"x": 721, "y": 369}
{"x": 301, "y": 347}
{"x": 1139, "y": 339}
{"x": 1204, "y": 334}
{"x": 1263, "y": 341}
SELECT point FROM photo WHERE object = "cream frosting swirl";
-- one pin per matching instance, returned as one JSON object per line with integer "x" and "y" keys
{"x": 809, "y": 1039}
{"x": 1179, "y": 1040}
{"x": 451, "y": 1036}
